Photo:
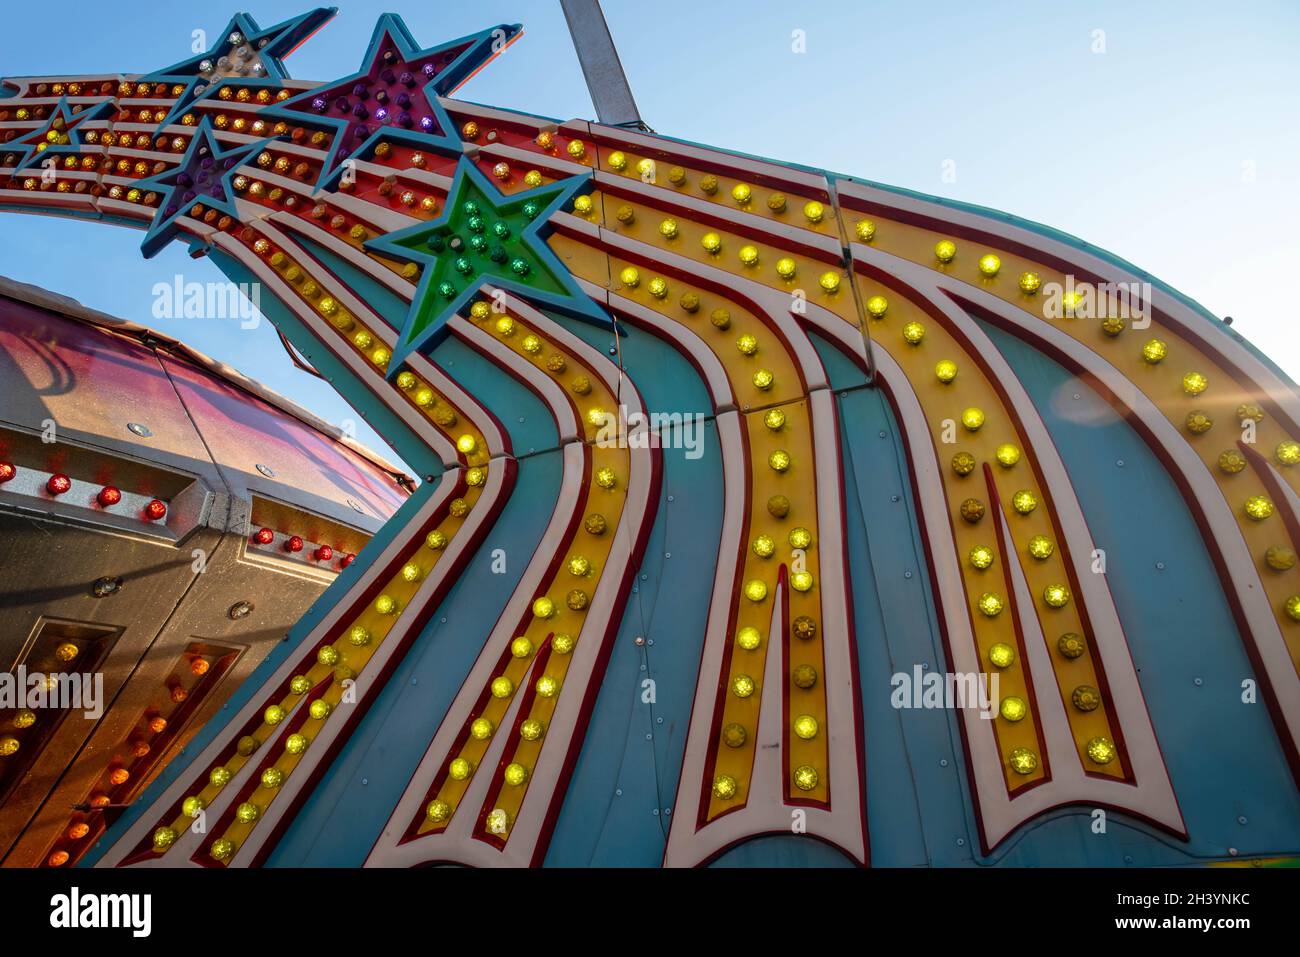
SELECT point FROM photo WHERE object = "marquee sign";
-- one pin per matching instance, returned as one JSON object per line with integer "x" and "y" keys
{"x": 886, "y": 473}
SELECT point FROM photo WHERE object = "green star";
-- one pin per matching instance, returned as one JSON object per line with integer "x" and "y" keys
{"x": 483, "y": 238}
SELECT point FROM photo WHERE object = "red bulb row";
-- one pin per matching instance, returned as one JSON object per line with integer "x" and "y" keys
{"x": 295, "y": 543}
{"x": 108, "y": 496}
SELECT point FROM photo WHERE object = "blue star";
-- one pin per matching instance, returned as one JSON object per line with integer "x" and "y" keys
{"x": 485, "y": 238}
{"x": 203, "y": 176}
{"x": 245, "y": 55}
{"x": 394, "y": 95}
{"x": 62, "y": 120}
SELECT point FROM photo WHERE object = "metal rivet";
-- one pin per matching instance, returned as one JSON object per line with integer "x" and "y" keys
{"x": 265, "y": 470}
{"x": 893, "y": 498}
{"x": 1241, "y": 820}
{"x": 240, "y": 609}
{"x": 1119, "y": 462}
{"x": 961, "y": 842}
{"x": 639, "y": 641}
{"x": 140, "y": 429}
{"x": 907, "y": 574}
{"x": 365, "y": 781}
{"x": 1160, "y": 566}
{"x": 356, "y": 506}
{"x": 103, "y": 587}
{"x": 1197, "y": 681}
{"x": 943, "y": 762}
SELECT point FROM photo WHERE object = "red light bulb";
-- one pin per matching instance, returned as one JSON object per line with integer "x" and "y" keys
{"x": 7, "y": 471}
{"x": 108, "y": 496}
{"x": 264, "y": 536}
{"x": 346, "y": 560}
{"x": 155, "y": 510}
{"x": 324, "y": 553}
{"x": 58, "y": 484}
{"x": 294, "y": 544}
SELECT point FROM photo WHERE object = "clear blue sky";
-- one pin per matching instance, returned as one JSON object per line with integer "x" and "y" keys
{"x": 1178, "y": 148}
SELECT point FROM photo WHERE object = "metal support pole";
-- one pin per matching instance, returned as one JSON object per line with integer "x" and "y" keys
{"x": 601, "y": 68}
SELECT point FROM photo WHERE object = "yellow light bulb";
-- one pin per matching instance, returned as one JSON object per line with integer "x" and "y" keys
{"x": 990, "y": 605}
{"x": 543, "y": 608}
{"x": 829, "y": 281}
{"x": 1280, "y": 558}
{"x": 774, "y": 419}
{"x": 481, "y": 729}
{"x": 981, "y": 556}
{"x": 1024, "y": 501}
{"x": 1259, "y": 507}
{"x": 972, "y": 419}
{"x": 1086, "y": 698}
{"x": 963, "y": 463}
{"x": 1287, "y": 452}
{"x": 1041, "y": 547}
{"x": 1023, "y": 761}
{"x": 814, "y": 211}
{"x": 747, "y": 345}
{"x": 1056, "y": 595}
{"x": 741, "y": 193}
{"x": 801, "y": 581}
{"x": 1101, "y": 750}
{"x": 712, "y": 243}
{"x": 806, "y": 727}
{"x": 755, "y": 590}
{"x": 459, "y": 769}
{"x": 1001, "y": 655}
{"x": 1013, "y": 708}
{"x": 805, "y": 777}
{"x": 617, "y": 161}
{"x": 990, "y": 264}
{"x": 749, "y": 255}
{"x": 521, "y": 647}
{"x": 668, "y": 229}
{"x": 546, "y": 686}
{"x": 502, "y": 687}
{"x": 913, "y": 332}
{"x": 877, "y": 306}
{"x": 1007, "y": 455}
{"x": 748, "y": 638}
{"x": 630, "y": 277}
{"x": 515, "y": 774}
{"x": 1154, "y": 351}
{"x": 785, "y": 267}
{"x": 1030, "y": 282}
{"x": 763, "y": 379}
{"x": 742, "y": 686}
{"x": 1194, "y": 383}
{"x": 865, "y": 230}
{"x": 779, "y": 460}
{"x": 945, "y": 250}
{"x": 945, "y": 370}
{"x": 724, "y": 787}
{"x": 1231, "y": 462}
{"x": 764, "y": 546}
{"x": 606, "y": 477}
